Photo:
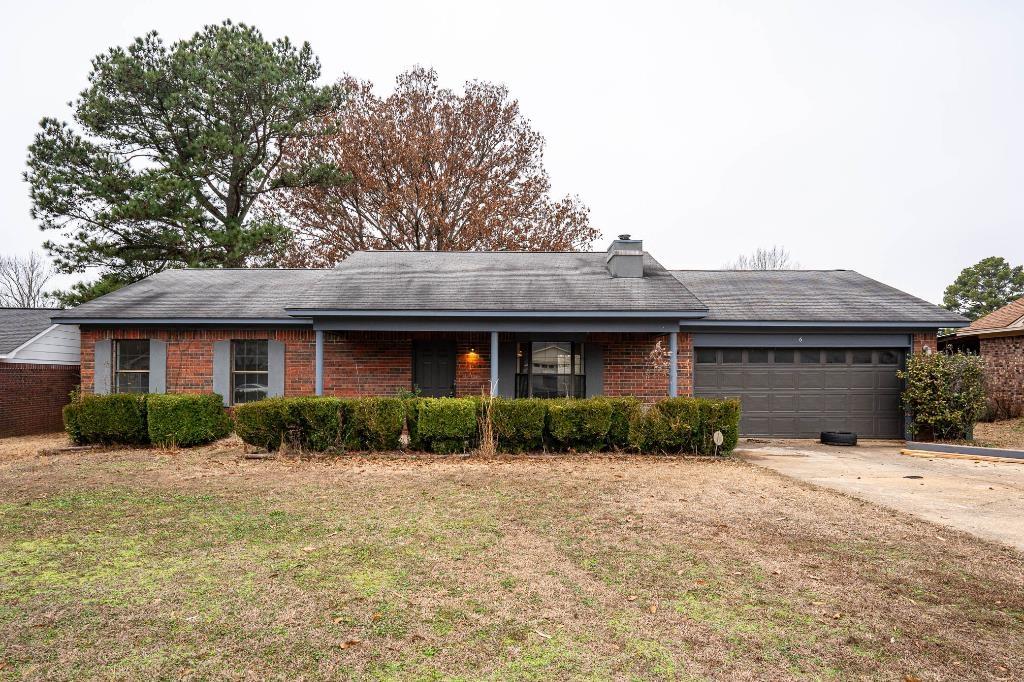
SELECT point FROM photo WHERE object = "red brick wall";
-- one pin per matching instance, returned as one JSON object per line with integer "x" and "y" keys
{"x": 631, "y": 369}
{"x": 923, "y": 339}
{"x": 32, "y": 396}
{"x": 1004, "y": 373}
{"x": 190, "y": 354}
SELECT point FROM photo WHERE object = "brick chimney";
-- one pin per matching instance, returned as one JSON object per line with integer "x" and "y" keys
{"x": 626, "y": 257}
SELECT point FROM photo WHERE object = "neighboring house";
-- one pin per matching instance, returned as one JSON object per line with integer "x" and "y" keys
{"x": 999, "y": 338}
{"x": 38, "y": 369}
{"x": 806, "y": 351}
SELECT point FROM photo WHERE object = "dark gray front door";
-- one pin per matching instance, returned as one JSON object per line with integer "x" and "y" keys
{"x": 798, "y": 393}
{"x": 434, "y": 368}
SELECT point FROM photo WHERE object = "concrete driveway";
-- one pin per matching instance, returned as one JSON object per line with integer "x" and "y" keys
{"x": 983, "y": 498}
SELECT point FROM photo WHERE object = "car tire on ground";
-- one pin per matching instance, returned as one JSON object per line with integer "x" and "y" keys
{"x": 838, "y": 438}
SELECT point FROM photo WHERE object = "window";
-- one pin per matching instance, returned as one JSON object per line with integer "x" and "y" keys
{"x": 249, "y": 371}
{"x": 810, "y": 357}
{"x": 707, "y": 356}
{"x": 732, "y": 356}
{"x": 888, "y": 357}
{"x": 758, "y": 355}
{"x": 862, "y": 357}
{"x": 131, "y": 366}
{"x": 835, "y": 357}
{"x": 550, "y": 369}
{"x": 784, "y": 357}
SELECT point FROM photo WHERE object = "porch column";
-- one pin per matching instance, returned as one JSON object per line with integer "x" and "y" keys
{"x": 319, "y": 362}
{"x": 673, "y": 364}
{"x": 494, "y": 364}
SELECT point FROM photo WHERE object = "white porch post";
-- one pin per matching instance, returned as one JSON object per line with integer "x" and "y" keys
{"x": 494, "y": 364}
{"x": 319, "y": 362}
{"x": 673, "y": 364}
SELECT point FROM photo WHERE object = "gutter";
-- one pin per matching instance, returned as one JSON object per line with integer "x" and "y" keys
{"x": 669, "y": 314}
{"x": 805, "y": 324}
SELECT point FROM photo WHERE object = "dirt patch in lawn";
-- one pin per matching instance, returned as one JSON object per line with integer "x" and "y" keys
{"x": 1008, "y": 433}
{"x": 145, "y": 563}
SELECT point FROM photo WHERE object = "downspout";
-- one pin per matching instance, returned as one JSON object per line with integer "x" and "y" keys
{"x": 319, "y": 362}
{"x": 494, "y": 364}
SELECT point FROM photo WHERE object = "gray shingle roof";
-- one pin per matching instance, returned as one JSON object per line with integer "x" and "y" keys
{"x": 18, "y": 325}
{"x": 212, "y": 294}
{"x": 498, "y": 281}
{"x": 808, "y": 295}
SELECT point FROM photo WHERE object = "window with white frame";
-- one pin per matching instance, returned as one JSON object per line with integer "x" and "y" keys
{"x": 250, "y": 376}
{"x": 131, "y": 366}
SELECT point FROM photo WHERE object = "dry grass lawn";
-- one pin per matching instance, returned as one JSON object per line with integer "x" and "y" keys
{"x": 1008, "y": 433}
{"x": 146, "y": 564}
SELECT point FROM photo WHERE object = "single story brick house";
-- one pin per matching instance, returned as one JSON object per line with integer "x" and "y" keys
{"x": 38, "y": 369}
{"x": 999, "y": 338}
{"x": 804, "y": 350}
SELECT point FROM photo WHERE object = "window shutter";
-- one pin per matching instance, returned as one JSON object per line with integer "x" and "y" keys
{"x": 593, "y": 367}
{"x": 275, "y": 369}
{"x": 102, "y": 369}
{"x": 222, "y": 370}
{"x": 157, "y": 366}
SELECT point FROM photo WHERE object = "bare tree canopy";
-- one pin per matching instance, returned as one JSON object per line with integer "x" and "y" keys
{"x": 22, "y": 281}
{"x": 775, "y": 258}
{"x": 429, "y": 169}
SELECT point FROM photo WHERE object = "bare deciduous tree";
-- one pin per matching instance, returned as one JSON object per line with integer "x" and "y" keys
{"x": 429, "y": 169}
{"x": 775, "y": 258}
{"x": 22, "y": 281}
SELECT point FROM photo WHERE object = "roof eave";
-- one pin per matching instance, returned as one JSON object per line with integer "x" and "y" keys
{"x": 848, "y": 324}
{"x": 656, "y": 314}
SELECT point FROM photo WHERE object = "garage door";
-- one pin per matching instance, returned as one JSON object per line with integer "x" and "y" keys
{"x": 798, "y": 393}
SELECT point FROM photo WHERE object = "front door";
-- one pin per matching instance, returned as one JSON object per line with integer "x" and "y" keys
{"x": 434, "y": 368}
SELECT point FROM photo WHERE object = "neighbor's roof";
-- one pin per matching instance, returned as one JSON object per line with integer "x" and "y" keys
{"x": 229, "y": 294}
{"x": 502, "y": 281}
{"x": 998, "y": 319}
{"x": 18, "y": 325}
{"x": 808, "y": 296}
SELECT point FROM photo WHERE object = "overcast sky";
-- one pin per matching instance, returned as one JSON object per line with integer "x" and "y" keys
{"x": 884, "y": 137}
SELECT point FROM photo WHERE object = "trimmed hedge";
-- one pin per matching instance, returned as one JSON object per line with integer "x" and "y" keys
{"x": 314, "y": 423}
{"x": 262, "y": 423}
{"x": 446, "y": 425}
{"x": 518, "y": 423}
{"x": 581, "y": 425}
{"x": 186, "y": 419}
{"x": 686, "y": 425}
{"x": 624, "y": 411}
{"x": 375, "y": 423}
{"x": 107, "y": 419}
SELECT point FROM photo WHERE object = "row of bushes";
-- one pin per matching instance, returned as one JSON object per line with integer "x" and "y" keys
{"x": 449, "y": 425}
{"x": 177, "y": 419}
{"x": 442, "y": 425}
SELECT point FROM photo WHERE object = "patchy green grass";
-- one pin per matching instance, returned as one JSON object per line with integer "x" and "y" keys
{"x": 144, "y": 564}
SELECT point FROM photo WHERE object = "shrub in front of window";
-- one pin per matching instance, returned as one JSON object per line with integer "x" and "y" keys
{"x": 375, "y": 423}
{"x": 108, "y": 419}
{"x": 580, "y": 425}
{"x": 624, "y": 411}
{"x": 686, "y": 426}
{"x": 186, "y": 419}
{"x": 313, "y": 424}
{"x": 944, "y": 394}
{"x": 518, "y": 423}
{"x": 262, "y": 423}
{"x": 446, "y": 425}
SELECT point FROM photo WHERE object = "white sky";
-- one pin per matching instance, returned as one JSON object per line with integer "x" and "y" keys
{"x": 883, "y": 137}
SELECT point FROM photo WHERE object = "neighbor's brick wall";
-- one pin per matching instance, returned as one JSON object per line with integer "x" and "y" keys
{"x": 629, "y": 368}
{"x": 1004, "y": 372}
{"x": 929, "y": 339}
{"x": 32, "y": 397}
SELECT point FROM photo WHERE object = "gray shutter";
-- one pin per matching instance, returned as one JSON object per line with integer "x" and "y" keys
{"x": 222, "y": 370}
{"x": 593, "y": 367}
{"x": 275, "y": 367}
{"x": 102, "y": 368}
{"x": 507, "y": 369}
{"x": 157, "y": 366}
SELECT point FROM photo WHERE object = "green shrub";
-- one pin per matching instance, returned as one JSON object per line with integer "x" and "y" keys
{"x": 262, "y": 423}
{"x": 412, "y": 416}
{"x": 624, "y": 410}
{"x": 580, "y": 425}
{"x": 314, "y": 423}
{"x": 944, "y": 394}
{"x": 109, "y": 419}
{"x": 518, "y": 424}
{"x": 71, "y": 412}
{"x": 375, "y": 423}
{"x": 686, "y": 425}
{"x": 447, "y": 425}
{"x": 186, "y": 419}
